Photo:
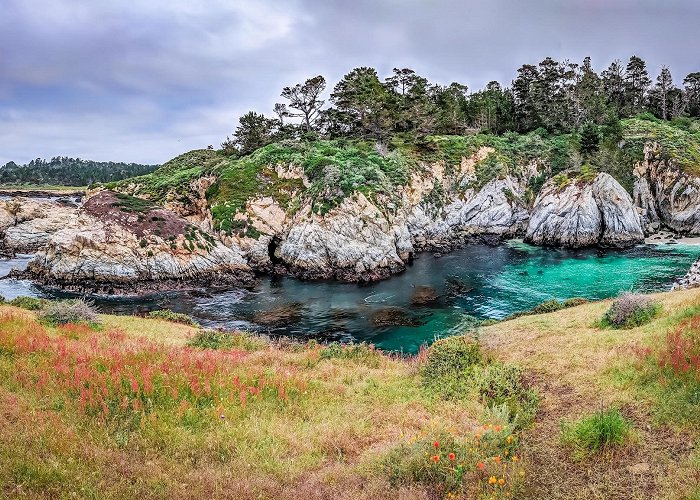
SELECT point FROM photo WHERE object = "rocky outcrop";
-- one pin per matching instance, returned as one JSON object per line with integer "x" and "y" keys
{"x": 355, "y": 241}
{"x": 27, "y": 224}
{"x": 582, "y": 213}
{"x": 119, "y": 245}
{"x": 493, "y": 213}
{"x": 666, "y": 194}
{"x": 690, "y": 280}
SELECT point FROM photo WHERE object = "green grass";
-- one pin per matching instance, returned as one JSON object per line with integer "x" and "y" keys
{"x": 601, "y": 431}
{"x": 174, "y": 317}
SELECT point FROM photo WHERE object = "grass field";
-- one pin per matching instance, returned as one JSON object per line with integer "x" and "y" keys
{"x": 147, "y": 408}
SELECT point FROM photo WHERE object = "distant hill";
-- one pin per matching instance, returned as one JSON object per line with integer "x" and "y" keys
{"x": 66, "y": 171}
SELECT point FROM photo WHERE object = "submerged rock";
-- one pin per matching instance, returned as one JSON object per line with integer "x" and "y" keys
{"x": 394, "y": 316}
{"x": 423, "y": 295}
{"x": 584, "y": 213}
{"x": 121, "y": 244}
{"x": 284, "y": 315}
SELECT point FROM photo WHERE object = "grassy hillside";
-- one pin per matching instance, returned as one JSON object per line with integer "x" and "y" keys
{"x": 144, "y": 407}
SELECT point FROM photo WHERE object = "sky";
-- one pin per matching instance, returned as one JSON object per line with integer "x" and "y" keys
{"x": 145, "y": 80}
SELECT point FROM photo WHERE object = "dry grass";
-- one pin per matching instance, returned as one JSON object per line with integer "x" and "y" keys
{"x": 573, "y": 365}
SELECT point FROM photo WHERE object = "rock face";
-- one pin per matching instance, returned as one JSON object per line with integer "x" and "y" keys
{"x": 690, "y": 280}
{"x": 583, "y": 214}
{"x": 121, "y": 246}
{"x": 27, "y": 224}
{"x": 666, "y": 194}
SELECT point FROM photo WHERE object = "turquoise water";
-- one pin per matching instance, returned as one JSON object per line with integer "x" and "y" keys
{"x": 479, "y": 280}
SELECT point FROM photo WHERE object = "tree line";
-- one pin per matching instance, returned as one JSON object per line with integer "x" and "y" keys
{"x": 558, "y": 96}
{"x": 65, "y": 171}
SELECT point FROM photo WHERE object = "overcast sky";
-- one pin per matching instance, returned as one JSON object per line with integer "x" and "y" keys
{"x": 145, "y": 80}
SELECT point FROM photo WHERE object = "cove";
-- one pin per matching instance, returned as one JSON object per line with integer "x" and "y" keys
{"x": 476, "y": 281}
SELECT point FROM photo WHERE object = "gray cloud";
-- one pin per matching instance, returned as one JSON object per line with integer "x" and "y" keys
{"x": 144, "y": 81}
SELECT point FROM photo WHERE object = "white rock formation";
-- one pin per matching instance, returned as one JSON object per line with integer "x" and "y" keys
{"x": 583, "y": 214}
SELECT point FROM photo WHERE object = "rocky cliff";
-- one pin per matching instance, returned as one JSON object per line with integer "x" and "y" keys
{"x": 119, "y": 244}
{"x": 667, "y": 194}
{"x": 334, "y": 209}
{"x": 27, "y": 224}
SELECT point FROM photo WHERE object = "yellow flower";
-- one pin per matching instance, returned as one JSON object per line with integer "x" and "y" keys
{"x": 493, "y": 480}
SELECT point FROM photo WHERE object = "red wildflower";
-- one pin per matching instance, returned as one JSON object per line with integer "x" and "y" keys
{"x": 451, "y": 456}
{"x": 436, "y": 444}
{"x": 480, "y": 466}
{"x": 435, "y": 458}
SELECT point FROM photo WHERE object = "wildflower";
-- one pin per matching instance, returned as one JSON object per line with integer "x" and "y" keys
{"x": 509, "y": 439}
{"x": 480, "y": 466}
{"x": 436, "y": 444}
{"x": 435, "y": 458}
{"x": 497, "y": 459}
{"x": 515, "y": 458}
{"x": 492, "y": 480}
{"x": 498, "y": 428}
{"x": 501, "y": 481}
{"x": 451, "y": 456}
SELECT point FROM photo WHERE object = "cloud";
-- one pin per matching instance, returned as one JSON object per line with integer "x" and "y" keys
{"x": 146, "y": 80}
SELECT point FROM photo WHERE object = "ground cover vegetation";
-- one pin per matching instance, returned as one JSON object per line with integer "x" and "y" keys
{"x": 544, "y": 405}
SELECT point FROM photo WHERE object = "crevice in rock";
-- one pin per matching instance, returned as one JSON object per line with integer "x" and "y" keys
{"x": 272, "y": 250}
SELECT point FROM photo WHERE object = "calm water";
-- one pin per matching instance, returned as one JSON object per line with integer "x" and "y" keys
{"x": 482, "y": 281}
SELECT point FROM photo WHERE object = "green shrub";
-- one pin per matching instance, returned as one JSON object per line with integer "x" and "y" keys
{"x": 598, "y": 432}
{"x": 575, "y": 301}
{"x": 28, "y": 303}
{"x": 561, "y": 180}
{"x": 68, "y": 311}
{"x": 213, "y": 339}
{"x": 2, "y": 299}
{"x": 501, "y": 385}
{"x": 630, "y": 310}
{"x": 173, "y": 317}
{"x": 548, "y": 307}
{"x": 449, "y": 366}
{"x": 361, "y": 352}
{"x": 587, "y": 172}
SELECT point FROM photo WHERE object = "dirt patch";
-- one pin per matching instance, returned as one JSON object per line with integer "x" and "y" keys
{"x": 139, "y": 216}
